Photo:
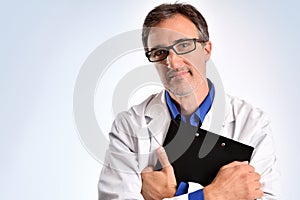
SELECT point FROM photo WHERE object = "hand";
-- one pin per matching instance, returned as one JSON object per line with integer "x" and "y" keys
{"x": 159, "y": 184}
{"x": 237, "y": 180}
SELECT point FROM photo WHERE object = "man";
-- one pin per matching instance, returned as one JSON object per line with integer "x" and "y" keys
{"x": 176, "y": 40}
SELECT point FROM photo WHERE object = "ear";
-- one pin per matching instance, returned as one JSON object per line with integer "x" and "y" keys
{"x": 207, "y": 49}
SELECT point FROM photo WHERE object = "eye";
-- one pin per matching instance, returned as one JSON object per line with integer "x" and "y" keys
{"x": 184, "y": 44}
{"x": 159, "y": 52}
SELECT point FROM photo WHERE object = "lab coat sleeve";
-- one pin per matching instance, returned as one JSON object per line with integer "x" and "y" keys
{"x": 120, "y": 176}
{"x": 265, "y": 161}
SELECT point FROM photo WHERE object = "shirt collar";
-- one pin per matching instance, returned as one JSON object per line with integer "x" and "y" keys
{"x": 200, "y": 113}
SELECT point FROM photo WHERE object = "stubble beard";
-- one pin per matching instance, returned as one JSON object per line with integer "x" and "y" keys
{"x": 182, "y": 88}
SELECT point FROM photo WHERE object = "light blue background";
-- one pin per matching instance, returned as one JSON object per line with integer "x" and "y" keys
{"x": 44, "y": 43}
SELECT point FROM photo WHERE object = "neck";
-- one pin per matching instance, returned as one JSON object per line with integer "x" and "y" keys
{"x": 190, "y": 103}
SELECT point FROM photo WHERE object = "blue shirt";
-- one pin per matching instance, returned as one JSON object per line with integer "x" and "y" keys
{"x": 196, "y": 118}
{"x": 200, "y": 113}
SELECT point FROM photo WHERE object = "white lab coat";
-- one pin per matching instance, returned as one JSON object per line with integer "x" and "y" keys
{"x": 137, "y": 133}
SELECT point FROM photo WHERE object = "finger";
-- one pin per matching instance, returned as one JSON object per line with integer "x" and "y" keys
{"x": 147, "y": 169}
{"x": 255, "y": 176}
{"x": 257, "y": 185}
{"x": 234, "y": 164}
{"x": 258, "y": 194}
{"x": 163, "y": 157}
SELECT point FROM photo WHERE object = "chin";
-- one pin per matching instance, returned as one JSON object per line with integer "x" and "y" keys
{"x": 183, "y": 92}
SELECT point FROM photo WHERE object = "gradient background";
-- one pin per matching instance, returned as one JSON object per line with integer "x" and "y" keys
{"x": 44, "y": 43}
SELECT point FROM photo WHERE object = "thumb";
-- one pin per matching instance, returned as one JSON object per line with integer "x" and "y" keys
{"x": 166, "y": 166}
{"x": 163, "y": 157}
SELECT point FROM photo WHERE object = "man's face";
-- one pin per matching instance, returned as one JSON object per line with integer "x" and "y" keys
{"x": 185, "y": 74}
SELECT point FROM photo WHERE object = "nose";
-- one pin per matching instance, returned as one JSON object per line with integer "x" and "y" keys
{"x": 174, "y": 61}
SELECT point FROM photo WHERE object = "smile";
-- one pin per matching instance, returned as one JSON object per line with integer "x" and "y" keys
{"x": 179, "y": 75}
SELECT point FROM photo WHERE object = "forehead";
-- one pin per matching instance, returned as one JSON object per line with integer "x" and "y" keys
{"x": 170, "y": 30}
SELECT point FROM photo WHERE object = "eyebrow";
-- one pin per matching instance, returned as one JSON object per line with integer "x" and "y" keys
{"x": 174, "y": 42}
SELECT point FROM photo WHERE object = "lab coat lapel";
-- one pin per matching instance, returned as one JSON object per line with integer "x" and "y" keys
{"x": 228, "y": 119}
{"x": 158, "y": 119}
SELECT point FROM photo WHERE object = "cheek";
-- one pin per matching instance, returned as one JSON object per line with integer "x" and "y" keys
{"x": 196, "y": 57}
{"x": 197, "y": 64}
{"x": 162, "y": 70}
{"x": 197, "y": 61}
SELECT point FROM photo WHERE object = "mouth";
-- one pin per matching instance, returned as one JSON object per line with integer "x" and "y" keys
{"x": 178, "y": 74}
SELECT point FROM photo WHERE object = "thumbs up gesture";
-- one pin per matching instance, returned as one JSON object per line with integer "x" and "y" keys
{"x": 159, "y": 184}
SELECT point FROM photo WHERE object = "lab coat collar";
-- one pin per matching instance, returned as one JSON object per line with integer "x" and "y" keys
{"x": 158, "y": 105}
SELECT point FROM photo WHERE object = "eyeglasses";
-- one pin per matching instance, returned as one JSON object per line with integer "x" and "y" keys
{"x": 182, "y": 46}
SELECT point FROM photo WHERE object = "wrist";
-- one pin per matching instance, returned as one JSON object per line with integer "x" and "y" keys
{"x": 207, "y": 193}
{"x": 210, "y": 193}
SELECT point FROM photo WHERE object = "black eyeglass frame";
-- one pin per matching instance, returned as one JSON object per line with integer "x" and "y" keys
{"x": 167, "y": 49}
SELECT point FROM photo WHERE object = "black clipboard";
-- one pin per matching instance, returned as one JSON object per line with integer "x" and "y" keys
{"x": 183, "y": 150}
